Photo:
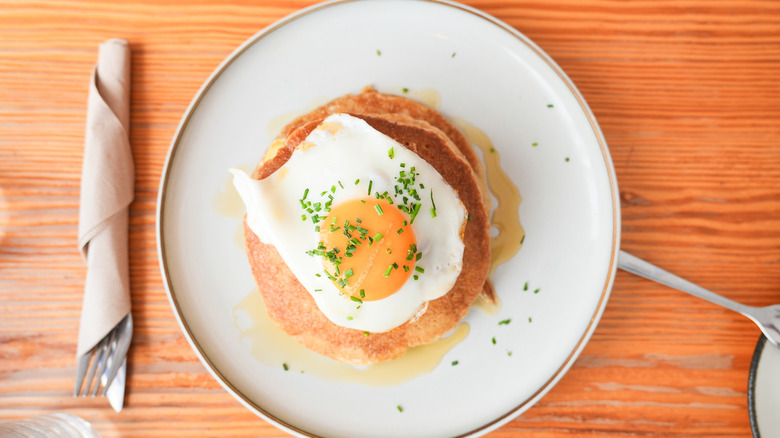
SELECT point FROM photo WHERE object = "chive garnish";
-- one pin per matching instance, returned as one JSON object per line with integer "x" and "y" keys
{"x": 357, "y": 181}
{"x": 391, "y": 153}
{"x": 504, "y": 322}
{"x": 493, "y": 340}
{"x": 349, "y": 273}
{"x": 378, "y": 209}
{"x": 362, "y": 293}
{"x": 284, "y": 365}
{"x": 355, "y": 299}
{"x": 370, "y": 183}
{"x": 377, "y": 236}
{"x": 400, "y": 409}
{"x": 454, "y": 362}
{"x": 388, "y": 270}
{"x": 419, "y": 269}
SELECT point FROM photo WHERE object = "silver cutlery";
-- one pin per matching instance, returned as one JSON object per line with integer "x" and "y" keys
{"x": 767, "y": 318}
{"x": 104, "y": 361}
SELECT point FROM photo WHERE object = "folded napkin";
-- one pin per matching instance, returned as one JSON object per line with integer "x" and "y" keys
{"x": 107, "y": 179}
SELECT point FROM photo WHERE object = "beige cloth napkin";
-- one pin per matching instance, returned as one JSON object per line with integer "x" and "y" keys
{"x": 107, "y": 179}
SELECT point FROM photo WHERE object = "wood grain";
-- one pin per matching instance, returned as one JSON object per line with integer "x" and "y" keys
{"x": 688, "y": 97}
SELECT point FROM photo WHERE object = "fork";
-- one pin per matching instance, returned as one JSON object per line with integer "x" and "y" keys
{"x": 766, "y": 318}
{"x": 104, "y": 359}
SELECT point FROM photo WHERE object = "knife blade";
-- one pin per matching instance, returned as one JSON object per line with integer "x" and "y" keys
{"x": 116, "y": 391}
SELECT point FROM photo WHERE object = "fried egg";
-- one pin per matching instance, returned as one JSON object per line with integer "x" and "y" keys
{"x": 371, "y": 230}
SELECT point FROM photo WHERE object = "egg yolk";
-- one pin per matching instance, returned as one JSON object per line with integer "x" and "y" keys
{"x": 376, "y": 248}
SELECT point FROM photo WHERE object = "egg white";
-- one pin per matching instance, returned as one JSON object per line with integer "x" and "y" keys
{"x": 341, "y": 151}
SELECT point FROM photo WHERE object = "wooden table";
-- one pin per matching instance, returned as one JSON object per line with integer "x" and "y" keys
{"x": 687, "y": 95}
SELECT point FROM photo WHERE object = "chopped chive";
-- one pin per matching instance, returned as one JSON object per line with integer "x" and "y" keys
{"x": 454, "y": 362}
{"x": 400, "y": 409}
{"x": 419, "y": 269}
{"x": 388, "y": 270}
{"x": 284, "y": 365}
{"x": 529, "y": 319}
{"x": 391, "y": 153}
{"x": 378, "y": 209}
{"x": 493, "y": 340}
{"x": 355, "y": 299}
{"x": 525, "y": 286}
{"x": 349, "y": 318}
{"x": 317, "y": 290}
{"x": 400, "y": 230}
{"x": 357, "y": 181}
{"x": 536, "y": 291}
{"x": 416, "y": 277}
{"x": 549, "y": 105}
{"x": 504, "y": 322}
{"x": 349, "y": 273}
{"x": 362, "y": 293}
{"x": 370, "y": 183}
{"x": 534, "y": 144}
{"x": 378, "y": 52}
{"x": 341, "y": 185}
{"x": 303, "y": 217}
{"x": 377, "y": 236}
{"x": 405, "y": 90}
{"x": 389, "y": 251}
{"x": 305, "y": 194}
{"x": 366, "y": 334}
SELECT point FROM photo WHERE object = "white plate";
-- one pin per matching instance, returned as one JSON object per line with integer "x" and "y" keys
{"x": 484, "y": 72}
{"x": 764, "y": 390}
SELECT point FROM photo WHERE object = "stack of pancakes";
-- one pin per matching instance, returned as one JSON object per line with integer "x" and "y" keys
{"x": 427, "y": 133}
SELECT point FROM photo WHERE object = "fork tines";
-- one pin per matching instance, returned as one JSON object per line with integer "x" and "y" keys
{"x": 100, "y": 365}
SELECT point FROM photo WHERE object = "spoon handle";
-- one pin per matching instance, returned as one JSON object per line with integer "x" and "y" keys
{"x": 637, "y": 266}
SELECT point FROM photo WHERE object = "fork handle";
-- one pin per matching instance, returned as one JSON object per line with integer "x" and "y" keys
{"x": 637, "y": 266}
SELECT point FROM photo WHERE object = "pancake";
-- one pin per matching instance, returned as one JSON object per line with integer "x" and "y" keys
{"x": 419, "y": 129}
